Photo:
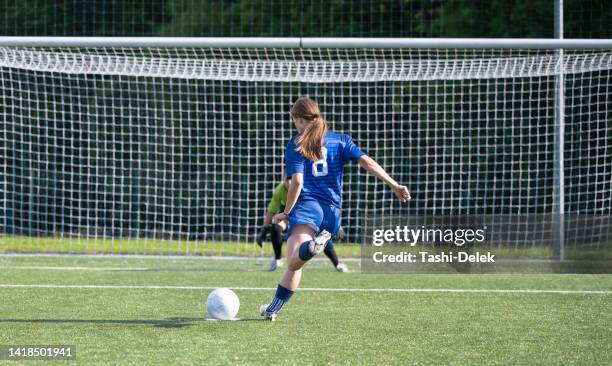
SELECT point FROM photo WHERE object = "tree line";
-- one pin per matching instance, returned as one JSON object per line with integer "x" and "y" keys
{"x": 318, "y": 18}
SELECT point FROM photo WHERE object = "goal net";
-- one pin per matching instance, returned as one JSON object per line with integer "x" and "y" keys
{"x": 161, "y": 150}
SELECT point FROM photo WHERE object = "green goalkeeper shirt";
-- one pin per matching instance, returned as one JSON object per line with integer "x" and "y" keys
{"x": 279, "y": 198}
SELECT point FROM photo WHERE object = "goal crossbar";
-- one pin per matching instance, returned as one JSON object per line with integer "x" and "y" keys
{"x": 306, "y": 42}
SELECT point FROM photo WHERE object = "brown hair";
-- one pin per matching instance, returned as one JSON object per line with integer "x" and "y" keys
{"x": 310, "y": 142}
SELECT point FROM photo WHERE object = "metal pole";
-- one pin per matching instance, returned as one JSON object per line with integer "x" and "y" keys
{"x": 260, "y": 42}
{"x": 558, "y": 175}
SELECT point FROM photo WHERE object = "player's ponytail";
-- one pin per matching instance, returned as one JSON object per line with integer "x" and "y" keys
{"x": 310, "y": 142}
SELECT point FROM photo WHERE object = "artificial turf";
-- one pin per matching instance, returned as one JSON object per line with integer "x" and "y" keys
{"x": 364, "y": 321}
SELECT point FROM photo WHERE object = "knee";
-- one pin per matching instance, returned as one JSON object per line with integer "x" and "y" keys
{"x": 295, "y": 263}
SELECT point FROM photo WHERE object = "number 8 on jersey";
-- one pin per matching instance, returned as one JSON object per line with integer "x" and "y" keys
{"x": 319, "y": 167}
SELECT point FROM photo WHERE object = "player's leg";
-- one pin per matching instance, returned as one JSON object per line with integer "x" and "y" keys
{"x": 305, "y": 247}
{"x": 277, "y": 240}
{"x": 308, "y": 217}
{"x": 292, "y": 276}
{"x": 299, "y": 235}
{"x": 330, "y": 252}
{"x": 277, "y": 244}
{"x": 301, "y": 247}
{"x": 332, "y": 222}
{"x": 302, "y": 236}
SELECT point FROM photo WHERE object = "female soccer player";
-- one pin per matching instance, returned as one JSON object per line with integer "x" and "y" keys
{"x": 314, "y": 159}
{"x": 277, "y": 204}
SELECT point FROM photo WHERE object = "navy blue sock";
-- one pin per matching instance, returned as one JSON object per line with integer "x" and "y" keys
{"x": 281, "y": 297}
{"x": 305, "y": 254}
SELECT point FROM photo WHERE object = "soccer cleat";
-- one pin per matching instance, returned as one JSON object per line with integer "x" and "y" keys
{"x": 275, "y": 264}
{"x": 270, "y": 317}
{"x": 341, "y": 267}
{"x": 317, "y": 245}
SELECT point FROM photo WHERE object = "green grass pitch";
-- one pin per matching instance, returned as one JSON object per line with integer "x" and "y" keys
{"x": 167, "y": 324}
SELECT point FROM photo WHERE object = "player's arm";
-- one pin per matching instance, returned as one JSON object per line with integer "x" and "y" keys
{"x": 267, "y": 219}
{"x": 294, "y": 165}
{"x": 351, "y": 152}
{"x": 375, "y": 169}
{"x": 293, "y": 193}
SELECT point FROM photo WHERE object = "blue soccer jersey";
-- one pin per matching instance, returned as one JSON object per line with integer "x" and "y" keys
{"x": 323, "y": 178}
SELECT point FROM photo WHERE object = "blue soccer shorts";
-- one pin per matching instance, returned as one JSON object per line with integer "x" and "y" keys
{"x": 316, "y": 215}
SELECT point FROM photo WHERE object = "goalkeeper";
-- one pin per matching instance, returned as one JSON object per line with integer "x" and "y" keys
{"x": 276, "y": 205}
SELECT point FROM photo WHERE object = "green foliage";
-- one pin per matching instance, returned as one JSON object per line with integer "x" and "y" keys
{"x": 27, "y": 17}
{"x": 81, "y": 17}
{"x": 316, "y": 18}
{"x": 489, "y": 19}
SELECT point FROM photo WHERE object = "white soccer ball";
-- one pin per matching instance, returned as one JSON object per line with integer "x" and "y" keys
{"x": 223, "y": 304}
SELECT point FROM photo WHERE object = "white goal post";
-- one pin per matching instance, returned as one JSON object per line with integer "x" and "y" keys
{"x": 305, "y": 42}
{"x": 180, "y": 140}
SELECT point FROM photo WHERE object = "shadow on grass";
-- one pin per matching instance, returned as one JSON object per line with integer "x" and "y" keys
{"x": 173, "y": 322}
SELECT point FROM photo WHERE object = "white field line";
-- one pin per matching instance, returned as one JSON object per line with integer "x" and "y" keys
{"x": 315, "y": 289}
{"x": 58, "y": 268}
{"x": 215, "y": 258}
{"x": 142, "y": 269}
{"x": 156, "y": 256}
